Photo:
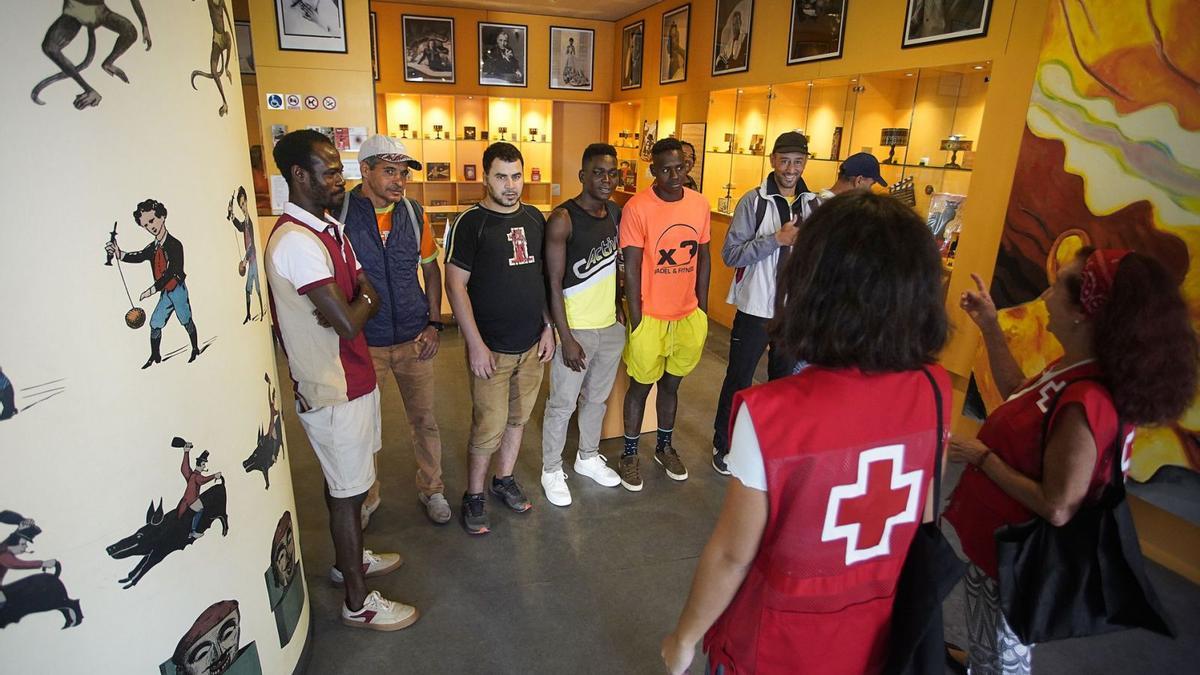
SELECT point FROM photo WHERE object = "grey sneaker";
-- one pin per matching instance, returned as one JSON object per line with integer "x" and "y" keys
{"x": 669, "y": 460}
{"x": 507, "y": 489}
{"x": 436, "y": 507}
{"x": 474, "y": 514}
{"x": 631, "y": 476}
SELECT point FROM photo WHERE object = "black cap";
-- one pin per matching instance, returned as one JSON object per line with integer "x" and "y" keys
{"x": 791, "y": 141}
{"x": 863, "y": 164}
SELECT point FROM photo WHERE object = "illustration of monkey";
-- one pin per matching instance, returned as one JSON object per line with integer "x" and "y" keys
{"x": 90, "y": 14}
{"x": 222, "y": 41}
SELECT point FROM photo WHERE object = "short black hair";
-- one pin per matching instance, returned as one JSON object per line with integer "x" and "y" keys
{"x": 598, "y": 150}
{"x": 505, "y": 152}
{"x": 241, "y": 192}
{"x": 666, "y": 145}
{"x": 150, "y": 205}
{"x": 864, "y": 288}
{"x": 296, "y": 148}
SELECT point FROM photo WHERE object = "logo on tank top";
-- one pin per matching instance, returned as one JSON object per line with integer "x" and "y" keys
{"x": 520, "y": 246}
{"x": 677, "y": 248}
{"x": 865, "y": 512}
{"x": 598, "y": 258}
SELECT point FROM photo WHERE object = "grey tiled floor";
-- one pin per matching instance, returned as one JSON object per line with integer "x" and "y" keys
{"x": 587, "y": 589}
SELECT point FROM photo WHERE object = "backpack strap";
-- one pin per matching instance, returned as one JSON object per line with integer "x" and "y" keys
{"x": 416, "y": 225}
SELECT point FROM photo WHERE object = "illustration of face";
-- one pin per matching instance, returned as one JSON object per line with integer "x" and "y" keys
{"x": 505, "y": 181}
{"x": 669, "y": 170}
{"x": 152, "y": 223}
{"x": 387, "y": 179}
{"x": 788, "y": 166}
{"x": 284, "y": 559}
{"x": 600, "y": 176}
{"x": 22, "y": 546}
{"x": 214, "y": 651}
{"x": 202, "y": 465}
{"x": 241, "y": 199}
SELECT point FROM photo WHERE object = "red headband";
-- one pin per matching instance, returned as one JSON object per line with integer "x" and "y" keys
{"x": 1097, "y": 278}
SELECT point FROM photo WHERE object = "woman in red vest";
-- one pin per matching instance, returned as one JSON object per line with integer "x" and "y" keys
{"x": 1120, "y": 318}
{"x": 833, "y": 465}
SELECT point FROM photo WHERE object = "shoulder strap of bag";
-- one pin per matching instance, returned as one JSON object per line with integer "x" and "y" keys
{"x": 941, "y": 439}
{"x": 416, "y": 226}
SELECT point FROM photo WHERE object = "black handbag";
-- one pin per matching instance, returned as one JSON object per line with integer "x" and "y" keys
{"x": 930, "y": 572}
{"x": 1084, "y": 578}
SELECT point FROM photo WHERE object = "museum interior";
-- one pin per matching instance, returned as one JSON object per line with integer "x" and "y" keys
{"x": 1022, "y": 133}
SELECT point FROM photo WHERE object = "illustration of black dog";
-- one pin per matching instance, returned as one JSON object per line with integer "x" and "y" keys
{"x": 43, "y": 592}
{"x": 265, "y": 453}
{"x": 165, "y": 533}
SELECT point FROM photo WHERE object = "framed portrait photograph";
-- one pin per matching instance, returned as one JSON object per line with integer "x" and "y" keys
{"x": 572, "y": 53}
{"x": 374, "y": 49}
{"x": 311, "y": 25}
{"x": 631, "y": 55}
{"x": 428, "y": 48}
{"x": 673, "y": 56}
{"x": 818, "y": 29}
{"x": 503, "y": 54}
{"x": 731, "y": 36}
{"x": 927, "y": 22}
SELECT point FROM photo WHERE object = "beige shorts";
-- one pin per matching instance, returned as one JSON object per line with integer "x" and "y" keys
{"x": 506, "y": 399}
{"x": 346, "y": 437}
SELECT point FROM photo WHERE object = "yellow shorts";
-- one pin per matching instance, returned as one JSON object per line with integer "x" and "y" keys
{"x": 656, "y": 346}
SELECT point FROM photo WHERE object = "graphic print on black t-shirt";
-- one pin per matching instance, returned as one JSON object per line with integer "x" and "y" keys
{"x": 677, "y": 248}
{"x": 506, "y": 288}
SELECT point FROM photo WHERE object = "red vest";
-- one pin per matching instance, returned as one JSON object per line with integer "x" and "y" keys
{"x": 848, "y": 460}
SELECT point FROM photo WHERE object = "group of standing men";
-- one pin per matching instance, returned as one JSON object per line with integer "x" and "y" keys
{"x": 342, "y": 272}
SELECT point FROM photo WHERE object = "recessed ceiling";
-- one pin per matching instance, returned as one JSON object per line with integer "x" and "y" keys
{"x": 607, "y": 10}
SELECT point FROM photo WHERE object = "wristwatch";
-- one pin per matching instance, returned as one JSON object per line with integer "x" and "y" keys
{"x": 438, "y": 326}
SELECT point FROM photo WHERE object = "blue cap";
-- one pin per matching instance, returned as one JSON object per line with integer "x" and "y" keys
{"x": 862, "y": 164}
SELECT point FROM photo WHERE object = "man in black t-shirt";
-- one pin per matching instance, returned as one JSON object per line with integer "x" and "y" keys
{"x": 497, "y": 291}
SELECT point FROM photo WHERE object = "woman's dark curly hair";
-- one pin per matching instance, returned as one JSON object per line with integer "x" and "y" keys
{"x": 863, "y": 288}
{"x": 1144, "y": 341}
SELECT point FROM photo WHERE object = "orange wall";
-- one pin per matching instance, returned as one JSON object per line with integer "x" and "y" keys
{"x": 466, "y": 53}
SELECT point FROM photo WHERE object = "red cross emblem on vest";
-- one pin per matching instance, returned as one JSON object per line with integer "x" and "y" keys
{"x": 865, "y": 512}
{"x": 520, "y": 247}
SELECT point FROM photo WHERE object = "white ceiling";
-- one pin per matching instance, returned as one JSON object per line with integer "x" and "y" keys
{"x": 604, "y": 10}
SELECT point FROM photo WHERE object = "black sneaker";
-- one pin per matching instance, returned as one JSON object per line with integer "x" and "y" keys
{"x": 718, "y": 462}
{"x": 474, "y": 514}
{"x": 507, "y": 489}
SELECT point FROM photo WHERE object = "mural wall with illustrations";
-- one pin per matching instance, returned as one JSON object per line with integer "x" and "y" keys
{"x": 1110, "y": 158}
{"x": 144, "y": 479}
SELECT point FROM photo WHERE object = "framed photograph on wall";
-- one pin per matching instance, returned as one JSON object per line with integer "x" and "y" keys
{"x": 311, "y": 25}
{"x": 631, "y": 55}
{"x": 818, "y": 30}
{"x": 503, "y": 54}
{"x": 245, "y": 47}
{"x": 673, "y": 55}
{"x": 572, "y": 53}
{"x": 927, "y": 22}
{"x": 428, "y": 48}
{"x": 731, "y": 36}
{"x": 374, "y": 49}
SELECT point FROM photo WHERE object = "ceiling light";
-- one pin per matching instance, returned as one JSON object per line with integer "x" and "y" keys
{"x": 908, "y": 74}
{"x": 977, "y": 67}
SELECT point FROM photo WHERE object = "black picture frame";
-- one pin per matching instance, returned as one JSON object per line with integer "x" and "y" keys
{"x": 804, "y": 28}
{"x": 374, "y": 48}
{"x": 294, "y": 34}
{"x": 969, "y": 22}
{"x": 725, "y": 62}
{"x": 633, "y": 51}
{"x": 245, "y": 47}
{"x": 489, "y": 55}
{"x": 556, "y": 68}
{"x": 417, "y": 31}
{"x": 664, "y": 76}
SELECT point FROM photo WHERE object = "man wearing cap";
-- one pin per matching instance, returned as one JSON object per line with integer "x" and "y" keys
{"x": 763, "y": 227}
{"x": 858, "y": 172}
{"x": 392, "y": 239}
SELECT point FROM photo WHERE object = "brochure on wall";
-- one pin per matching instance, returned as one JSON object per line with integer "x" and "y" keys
{"x": 279, "y": 193}
{"x": 350, "y": 169}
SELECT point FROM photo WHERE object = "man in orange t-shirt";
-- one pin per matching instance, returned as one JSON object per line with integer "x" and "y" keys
{"x": 664, "y": 238}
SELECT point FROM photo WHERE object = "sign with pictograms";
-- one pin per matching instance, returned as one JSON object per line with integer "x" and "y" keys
{"x": 311, "y": 102}
{"x": 329, "y": 103}
{"x": 293, "y": 101}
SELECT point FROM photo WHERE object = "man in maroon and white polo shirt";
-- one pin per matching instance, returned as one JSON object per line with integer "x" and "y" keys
{"x": 321, "y": 299}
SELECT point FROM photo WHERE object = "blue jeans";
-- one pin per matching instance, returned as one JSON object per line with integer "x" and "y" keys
{"x": 173, "y": 301}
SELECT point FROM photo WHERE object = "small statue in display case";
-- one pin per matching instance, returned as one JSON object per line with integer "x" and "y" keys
{"x": 437, "y": 128}
{"x": 756, "y": 144}
{"x": 503, "y": 131}
{"x": 403, "y": 131}
{"x": 469, "y": 133}
{"x": 725, "y": 204}
{"x": 729, "y": 140}
{"x": 533, "y": 134}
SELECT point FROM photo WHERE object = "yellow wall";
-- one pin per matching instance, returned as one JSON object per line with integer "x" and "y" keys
{"x": 466, "y": 53}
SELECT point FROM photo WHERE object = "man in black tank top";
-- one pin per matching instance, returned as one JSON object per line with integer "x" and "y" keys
{"x": 585, "y": 304}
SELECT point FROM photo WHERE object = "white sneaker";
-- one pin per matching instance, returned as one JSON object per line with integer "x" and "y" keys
{"x": 380, "y": 614}
{"x": 554, "y": 484}
{"x": 597, "y": 469}
{"x": 366, "y": 511}
{"x": 373, "y": 565}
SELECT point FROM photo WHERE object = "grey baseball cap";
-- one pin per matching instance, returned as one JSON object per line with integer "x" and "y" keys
{"x": 388, "y": 149}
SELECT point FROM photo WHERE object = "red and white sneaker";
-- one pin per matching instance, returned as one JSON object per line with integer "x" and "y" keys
{"x": 373, "y": 565}
{"x": 380, "y": 614}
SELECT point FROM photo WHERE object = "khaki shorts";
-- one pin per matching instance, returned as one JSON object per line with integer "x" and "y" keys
{"x": 346, "y": 437}
{"x": 506, "y": 399}
{"x": 656, "y": 346}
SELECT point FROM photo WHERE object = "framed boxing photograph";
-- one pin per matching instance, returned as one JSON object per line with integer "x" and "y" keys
{"x": 311, "y": 25}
